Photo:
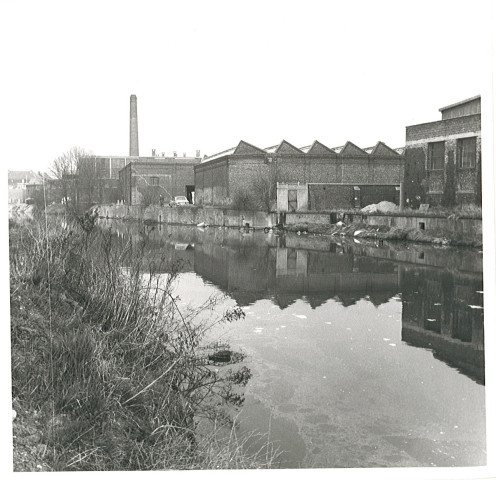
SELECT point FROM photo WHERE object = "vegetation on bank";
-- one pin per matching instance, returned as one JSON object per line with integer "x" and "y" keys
{"x": 384, "y": 232}
{"x": 107, "y": 373}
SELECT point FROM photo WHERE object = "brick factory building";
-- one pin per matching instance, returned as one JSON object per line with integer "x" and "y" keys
{"x": 136, "y": 179}
{"x": 316, "y": 177}
{"x": 147, "y": 180}
{"x": 446, "y": 155}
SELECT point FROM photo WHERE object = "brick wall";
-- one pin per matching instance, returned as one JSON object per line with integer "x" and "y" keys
{"x": 172, "y": 179}
{"x": 328, "y": 197}
{"x": 467, "y": 181}
{"x": 444, "y": 128}
{"x": 243, "y": 172}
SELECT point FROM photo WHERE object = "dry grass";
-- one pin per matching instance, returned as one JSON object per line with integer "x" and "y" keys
{"x": 117, "y": 375}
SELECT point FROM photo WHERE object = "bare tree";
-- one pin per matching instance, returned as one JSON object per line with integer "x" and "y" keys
{"x": 264, "y": 187}
{"x": 76, "y": 177}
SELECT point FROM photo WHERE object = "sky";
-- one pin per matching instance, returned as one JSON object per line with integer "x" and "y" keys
{"x": 208, "y": 74}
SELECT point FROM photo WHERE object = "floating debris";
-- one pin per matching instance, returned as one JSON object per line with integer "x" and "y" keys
{"x": 299, "y": 316}
{"x": 392, "y": 344}
{"x": 477, "y": 307}
{"x": 431, "y": 320}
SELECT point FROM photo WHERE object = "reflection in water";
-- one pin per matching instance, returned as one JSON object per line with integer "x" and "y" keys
{"x": 363, "y": 354}
{"x": 442, "y": 312}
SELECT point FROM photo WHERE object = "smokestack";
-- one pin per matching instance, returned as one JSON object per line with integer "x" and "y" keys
{"x": 133, "y": 128}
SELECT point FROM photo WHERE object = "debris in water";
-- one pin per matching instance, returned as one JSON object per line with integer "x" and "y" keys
{"x": 386, "y": 339}
{"x": 299, "y": 316}
{"x": 220, "y": 356}
{"x": 431, "y": 320}
{"x": 258, "y": 330}
{"x": 478, "y": 307}
{"x": 479, "y": 291}
{"x": 283, "y": 326}
{"x": 437, "y": 304}
{"x": 392, "y": 344}
{"x": 328, "y": 323}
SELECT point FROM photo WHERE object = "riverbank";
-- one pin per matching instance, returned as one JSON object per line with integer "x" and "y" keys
{"x": 107, "y": 373}
{"x": 461, "y": 227}
{"x": 384, "y": 232}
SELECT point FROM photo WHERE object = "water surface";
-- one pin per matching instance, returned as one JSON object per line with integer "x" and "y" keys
{"x": 362, "y": 354}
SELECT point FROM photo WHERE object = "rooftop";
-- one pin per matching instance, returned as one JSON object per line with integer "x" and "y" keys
{"x": 471, "y": 99}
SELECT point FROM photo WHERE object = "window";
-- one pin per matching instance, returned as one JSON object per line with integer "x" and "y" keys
{"x": 154, "y": 181}
{"x": 466, "y": 152}
{"x": 436, "y": 156}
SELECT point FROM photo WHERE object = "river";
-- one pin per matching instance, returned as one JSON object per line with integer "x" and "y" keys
{"x": 362, "y": 354}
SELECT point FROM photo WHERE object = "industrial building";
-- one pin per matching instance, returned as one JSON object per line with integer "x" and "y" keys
{"x": 148, "y": 180}
{"x": 444, "y": 152}
{"x": 288, "y": 178}
{"x": 135, "y": 179}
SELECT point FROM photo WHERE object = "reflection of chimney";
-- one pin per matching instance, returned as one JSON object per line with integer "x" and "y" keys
{"x": 133, "y": 128}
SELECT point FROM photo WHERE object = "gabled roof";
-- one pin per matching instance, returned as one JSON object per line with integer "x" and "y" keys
{"x": 287, "y": 148}
{"x": 382, "y": 149}
{"x": 245, "y": 148}
{"x": 318, "y": 148}
{"x": 351, "y": 149}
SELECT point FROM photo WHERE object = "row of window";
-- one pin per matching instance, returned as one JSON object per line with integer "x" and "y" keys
{"x": 465, "y": 154}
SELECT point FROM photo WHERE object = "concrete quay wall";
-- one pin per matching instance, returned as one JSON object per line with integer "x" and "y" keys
{"x": 428, "y": 222}
{"x": 189, "y": 215}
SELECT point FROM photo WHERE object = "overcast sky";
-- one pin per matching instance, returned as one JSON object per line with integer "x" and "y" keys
{"x": 210, "y": 73}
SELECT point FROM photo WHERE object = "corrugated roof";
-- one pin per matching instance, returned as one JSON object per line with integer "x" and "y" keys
{"x": 219, "y": 155}
{"x": 471, "y": 99}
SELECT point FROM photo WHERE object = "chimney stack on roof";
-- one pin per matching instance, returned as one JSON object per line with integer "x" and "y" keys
{"x": 133, "y": 128}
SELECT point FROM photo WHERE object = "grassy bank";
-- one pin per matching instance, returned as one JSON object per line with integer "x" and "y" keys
{"x": 107, "y": 373}
{"x": 383, "y": 232}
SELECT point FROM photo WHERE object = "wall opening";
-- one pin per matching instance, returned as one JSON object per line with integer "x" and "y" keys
{"x": 422, "y": 225}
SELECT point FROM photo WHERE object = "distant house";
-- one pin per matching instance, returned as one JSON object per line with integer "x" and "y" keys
{"x": 446, "y": 154}
{"x": 315, "y": 177}
{"x": 146, "y": 180}
{"x": 23, "y": 184}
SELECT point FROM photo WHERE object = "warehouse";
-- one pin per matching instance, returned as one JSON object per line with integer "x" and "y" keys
{"x": 247, "y": 177}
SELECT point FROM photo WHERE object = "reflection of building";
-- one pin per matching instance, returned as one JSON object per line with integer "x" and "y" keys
{"x": 287, "y": 274}
{"x": 442, "y": 312}
{"x": 341, "y": 177}
{"x": 448, "y": 150}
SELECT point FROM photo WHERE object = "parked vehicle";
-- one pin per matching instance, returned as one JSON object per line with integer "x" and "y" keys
{"x": 179, "y": 201}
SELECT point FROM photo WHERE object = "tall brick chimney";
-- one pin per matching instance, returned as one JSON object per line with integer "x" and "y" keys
{"x": 133, "y": 128}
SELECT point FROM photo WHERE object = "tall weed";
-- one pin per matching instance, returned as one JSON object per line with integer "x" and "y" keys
{"x": 99, "y": 346}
